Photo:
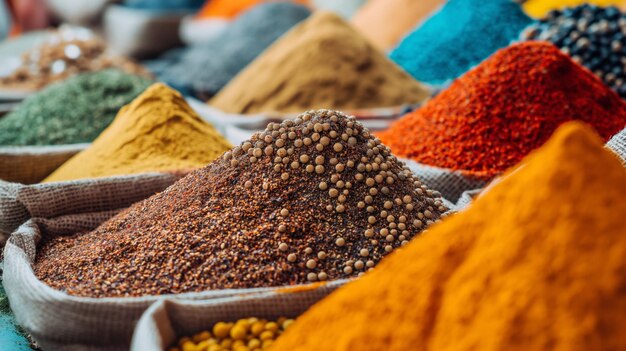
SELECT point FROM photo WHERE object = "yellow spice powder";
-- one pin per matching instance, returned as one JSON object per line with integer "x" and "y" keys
{"x": 158, "y": 131}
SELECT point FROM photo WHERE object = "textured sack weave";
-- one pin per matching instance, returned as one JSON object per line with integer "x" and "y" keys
{"x": 58, "y": 321}
{"x": 618, "y": 145}
{"x": 19, "y": 202}
{"x": 452, "y": 185}
{"x": 31, "y": 164}
{"x": 166, "y": 320}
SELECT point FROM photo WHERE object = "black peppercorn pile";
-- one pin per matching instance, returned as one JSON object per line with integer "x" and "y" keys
{"x": 593, "y": 36}
{"x": 311, "y": 199}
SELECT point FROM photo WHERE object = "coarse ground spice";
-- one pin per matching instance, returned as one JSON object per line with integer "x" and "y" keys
{"x": 386, "y": 22}
{"x": 321, "y": 63}
{"x": 158, "y": 131}
{"x": 459, "y": 36}
{"x": 72, "y": 111}
{"x": 245, "y": 334}
{"x": 536, "y": 263}
{"x": 66, "y": 52}
{"x": 311, "y": 199}
{"x": 593, "y": 36}
{"x": 204, "y": 69}
{"x": 493, "y": 116}
{"x": 540, "y": 8}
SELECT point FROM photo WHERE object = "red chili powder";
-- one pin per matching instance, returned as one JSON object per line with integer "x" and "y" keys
{"x": 495, "y": 114}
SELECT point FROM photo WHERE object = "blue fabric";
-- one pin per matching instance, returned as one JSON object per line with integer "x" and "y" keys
{"x": 461, "y": 35}
{"x": 10, "y": 337}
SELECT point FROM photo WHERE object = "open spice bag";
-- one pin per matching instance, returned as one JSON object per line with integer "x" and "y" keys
{"x": 167, "y": 320}
{"x": 58, "y": 321}
{"x": 617, "y": 144}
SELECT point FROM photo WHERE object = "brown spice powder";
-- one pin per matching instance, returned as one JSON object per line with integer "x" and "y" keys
{"x": 321, "y": 63}
{"x": 311, "y": 199}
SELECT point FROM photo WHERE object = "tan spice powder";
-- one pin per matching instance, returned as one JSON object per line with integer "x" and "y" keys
{"x": 321, "y": 63}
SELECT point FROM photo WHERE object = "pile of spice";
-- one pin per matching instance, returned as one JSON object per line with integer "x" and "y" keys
{"x": 73, "y": 111}
{"x": 541, "y": 8}
{"x": 247, "y": 334}
{"x": 158, "y": 131}
{"x": 536, "y": 263}
{"x": 315, "y": 198}
{"x": 494, "y": 115}
{"x": 205, "y": 68}
{"x": 593, "y": 36}
{"x": 461, "y": 35}
{"x": 386, "y": 22}
{"x": 65, "y": 53}
{"x": 321, "y": 63}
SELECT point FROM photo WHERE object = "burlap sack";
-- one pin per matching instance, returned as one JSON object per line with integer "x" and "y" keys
{"x": 19, "y": 202}
{"x": 55, "y": 320}
{"x": 31, "y": 164}
{"x": 167, "y": 320}
{"x": 452, "y": 185}
{"x": 618, "y": 145}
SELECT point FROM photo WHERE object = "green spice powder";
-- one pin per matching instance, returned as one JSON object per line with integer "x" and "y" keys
{"x": 74, "y": 111}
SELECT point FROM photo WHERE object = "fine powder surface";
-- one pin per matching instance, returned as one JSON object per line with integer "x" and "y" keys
{"x": 204, "y": 69}
{"x": 386, "y": 22}
{"x": 461, "y": 35}
{"x": 311, "y": 199}
{"x": 72, "y": 111}
{"x": 493, "y": 116}
{"x": 158, "y": 131}
{"x": 321, "y": 63}
{"x": 536, "y": 263}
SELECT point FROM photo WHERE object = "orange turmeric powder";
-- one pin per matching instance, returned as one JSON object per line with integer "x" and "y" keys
{"x": 536, "y": 263}
{"x": 230, "y": 8}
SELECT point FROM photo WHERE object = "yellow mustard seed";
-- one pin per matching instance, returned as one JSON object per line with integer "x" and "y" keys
{"x": 267, "y": 335}
{"x": 221, "y": 330}
{"x": 238, "y": 332}
{"x": 257, "y": 328}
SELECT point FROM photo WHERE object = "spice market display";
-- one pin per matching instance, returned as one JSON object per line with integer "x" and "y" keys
{"x": 477, "y": 282}
{"x": 312, "y": 175}
{"x": 462, "y": 34}
{"x": 321, "y": 63}
{"x": 315, "y": 198}
{"x": 494, "y": 115}
{"x": 72, "y": 111}
{"x": 158, "y": 131}
{"x": 593, "y": 36}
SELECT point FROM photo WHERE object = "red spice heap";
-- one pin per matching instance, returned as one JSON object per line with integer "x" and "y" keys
{"x": 314, "y": 198}
{"x": 494, "y": 115}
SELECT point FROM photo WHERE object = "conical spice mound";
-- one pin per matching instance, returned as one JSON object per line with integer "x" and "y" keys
{"x": 536, "y": 263}
{"x": 314, "y": 198}
{"x": 321, "y": 63}
{"x": 158, "y": 131}
{"x": 509, "y": 105}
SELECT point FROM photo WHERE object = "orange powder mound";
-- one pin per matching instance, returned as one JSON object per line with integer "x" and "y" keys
{"x": 230, "y": 8}
{"x": 385, "y": 22}
{"x": 536, "y": 263}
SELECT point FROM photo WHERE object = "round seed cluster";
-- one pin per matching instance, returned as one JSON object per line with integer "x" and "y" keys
{"x": 315, "y": 198}
{"x": 593, "y": 36}
{"x": 248, "y": 334}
